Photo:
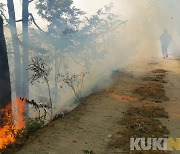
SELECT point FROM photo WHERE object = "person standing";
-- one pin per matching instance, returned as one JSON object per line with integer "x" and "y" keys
{"x": 165, "y": 40}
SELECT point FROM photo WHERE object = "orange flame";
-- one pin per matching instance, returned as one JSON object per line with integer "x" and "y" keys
{"x": 19, "y": 114}
{"x": 11, "y": 126}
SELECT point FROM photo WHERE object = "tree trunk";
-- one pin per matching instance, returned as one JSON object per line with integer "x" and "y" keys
{"x": 55, "y": 82}
{"x": 5, "y": 85}
{"x": 57, "y": 65}
{"x": 17, "y": 56}
{"x": 57, "y": 69}
{"x": 25, "y": 55}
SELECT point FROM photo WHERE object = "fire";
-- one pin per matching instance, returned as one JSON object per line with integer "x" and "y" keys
{"x": 19, "y": 113}
{"x": 11, "y": 125}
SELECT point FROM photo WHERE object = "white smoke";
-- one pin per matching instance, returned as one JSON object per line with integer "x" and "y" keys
{"x": 137, "y": 38}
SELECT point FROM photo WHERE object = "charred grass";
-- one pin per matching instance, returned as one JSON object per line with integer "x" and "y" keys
{"x": 148, "y": 111}
{"x": 140, "y": 123}
{"x": 153, "y": 91}
{"x": 157, "y": 78}
{"x": 144, "y": 122}
{"x": 159, "y": 71}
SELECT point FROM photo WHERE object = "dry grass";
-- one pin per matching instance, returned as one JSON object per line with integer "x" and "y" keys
{"x": 153, "y": 63}
{"x": 147, "y": 112}
{"x": 138, "y": 123}
{"x": 159, "y": 71}
{"x": 158, "y": 78}
{"x": 153, "y": 91}
{"x": 143, "y": 122}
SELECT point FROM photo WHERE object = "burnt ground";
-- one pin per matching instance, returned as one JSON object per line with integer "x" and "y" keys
{"x": 144, "y": 102}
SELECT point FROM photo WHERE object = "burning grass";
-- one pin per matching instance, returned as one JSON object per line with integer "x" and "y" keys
{"x": 138, "y": 123}
{"x": 21, "y": 138}
{"x": 7, "y": 130}
{"x": 10, "y": 126}
{"x": 153, "y": 91}
{"x": 16, "y": 130}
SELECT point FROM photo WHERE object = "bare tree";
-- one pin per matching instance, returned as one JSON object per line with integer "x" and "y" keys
{"x": 41, "y": 71}
{"x": 25, "y": 41}
{"x": 75, "y": 82}
{"x": 15, "y": 44}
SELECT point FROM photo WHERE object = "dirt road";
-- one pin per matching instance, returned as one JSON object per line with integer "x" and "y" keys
{"x": 91, "y": 127}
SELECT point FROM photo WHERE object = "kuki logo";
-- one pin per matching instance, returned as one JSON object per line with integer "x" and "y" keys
{"x": 155, "y": 144}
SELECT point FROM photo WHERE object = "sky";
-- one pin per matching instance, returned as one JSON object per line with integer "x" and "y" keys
{"x": 90, "y": 6}
{"x": 125, "y": 8}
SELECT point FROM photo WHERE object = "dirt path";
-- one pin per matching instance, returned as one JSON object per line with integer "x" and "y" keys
{"x": 92, "y": 124}
{"x": 173, "y": 92}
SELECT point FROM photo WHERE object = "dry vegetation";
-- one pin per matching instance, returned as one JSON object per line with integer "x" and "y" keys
{"x": 144, "y": 122}
{"x": 153, "y": 91}
{"x": 157, "y": 78}
{"x": 140, "y": 122}
{"x": 159, "y": 71}
{"x": 147, "y": 112}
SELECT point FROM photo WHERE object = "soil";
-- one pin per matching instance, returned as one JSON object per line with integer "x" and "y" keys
{"x": 105, "y": 120}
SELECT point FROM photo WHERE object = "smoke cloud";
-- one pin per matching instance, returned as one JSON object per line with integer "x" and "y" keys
{"x": 137, "y": 38}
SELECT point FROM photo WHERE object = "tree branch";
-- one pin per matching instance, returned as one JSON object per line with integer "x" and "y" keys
{"x": 33, "y": 20}
{"x": 75, "y": 59}
{"x": 19, "y": 20}
{"x": 31, "y": 1}
{"x": 4, "y": 16}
